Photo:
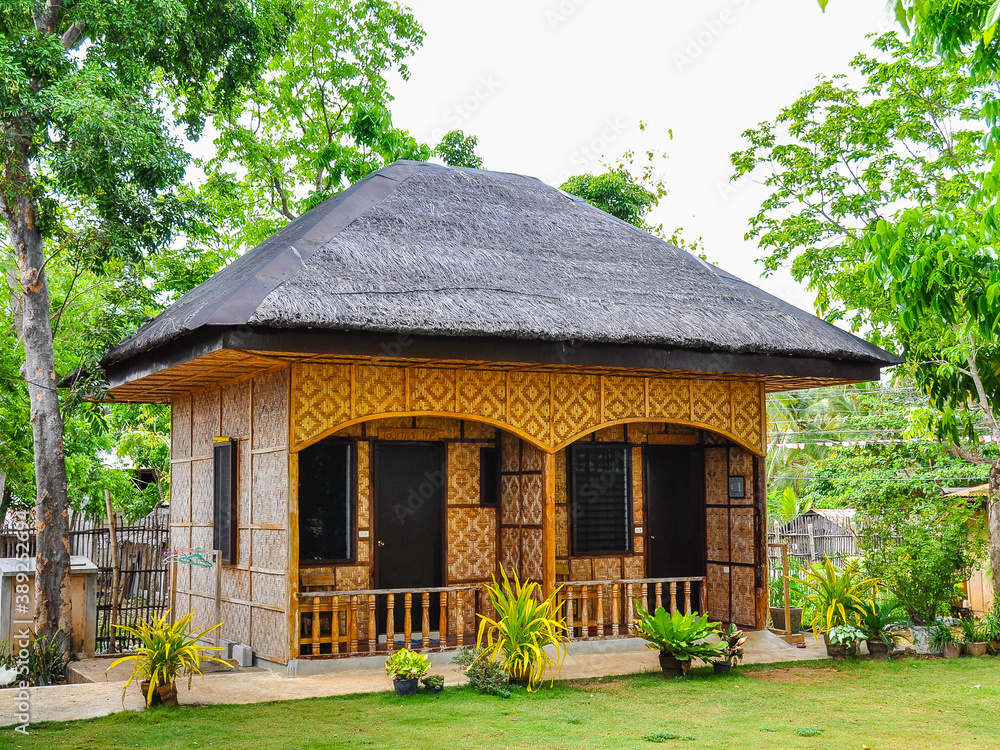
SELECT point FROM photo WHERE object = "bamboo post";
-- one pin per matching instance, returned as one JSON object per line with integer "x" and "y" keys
{"x": 460, "y": 618}
{"x": 584, "y": 613}
{"x": 812, "y": 543}
{"x": 372, "y": 624}
{"x": 443, "y": 621}
{"x": 335, "y": 626}
{"x": 353, "y": 627}
{"x": 784, "y": 585}
{"x": 600, "y": 610}
{"x": 644, "y": 594}
{"x": 673, "y": 597}
{"x": 615, "y": 611}
{"x": 631, "y": 610}
{"x": 425, "y": 621}
{"x": 314, "y": 631}
{"x": 702, "y": 597}
{"x": 390, "y": 623}
{"x": 687, "y": 597}
{"x": 548, "y": 523}
{"x": 658, "y": 589}
{"x": 115, "y": 571}
{"x": 407, "y": 618}
{"x": 570, "y": 630}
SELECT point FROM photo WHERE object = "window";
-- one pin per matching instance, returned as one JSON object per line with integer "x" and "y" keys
{"x": 326, "y": 502}
{"x": 599, "y": 487}
{"x": 489, "y": 476}
{"x": 225, "y": 513}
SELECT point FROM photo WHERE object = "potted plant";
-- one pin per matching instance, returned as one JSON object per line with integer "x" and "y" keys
{"x": 842, "y": 641}
{"x": 836, "y": 595}
{"x": 991, "y": 626}
{"x": 732, "y": 641}
{"x": 167, "y": 651}
{"x": 679, "y": 638}
{"x": 943, "y": 640}
{"x": 975, "y": 637}
{"x": 776, "y": 596}
{"x": 879, "y": 621}
{"x": 406, "y": 668}
{"x": 525, "y": 624}
{"x": 433, "y": 683}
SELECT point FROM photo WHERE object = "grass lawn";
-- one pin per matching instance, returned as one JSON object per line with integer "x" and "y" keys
{"x": 902, "y": 705}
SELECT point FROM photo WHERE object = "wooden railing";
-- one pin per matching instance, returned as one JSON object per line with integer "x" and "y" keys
{"x": 605, "y": 609}
{"x": 333, "y": 623}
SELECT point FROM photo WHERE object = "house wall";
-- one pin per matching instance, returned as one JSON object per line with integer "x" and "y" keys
{"x": 255, "y": 590}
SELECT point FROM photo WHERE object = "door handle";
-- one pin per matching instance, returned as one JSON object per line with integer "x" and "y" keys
{"x": 381, "y": 543}
{"x": 650, "y": 536}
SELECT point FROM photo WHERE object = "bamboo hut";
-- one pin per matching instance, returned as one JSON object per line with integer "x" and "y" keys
{"x": 441, "y": 371}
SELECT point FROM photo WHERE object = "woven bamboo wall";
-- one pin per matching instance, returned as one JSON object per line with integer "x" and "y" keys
{"x": 731, "y": 536}
{"x": 521, "y": 507}
{"x": 255, "y": 591}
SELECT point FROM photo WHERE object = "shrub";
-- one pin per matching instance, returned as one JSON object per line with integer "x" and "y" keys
{"x": 526, "y": 623}
{"x": 879, "y": 620}
{"x": 47, "y": 659}
{"x": 680, "y": 635}
{"x": 485, "y": 675}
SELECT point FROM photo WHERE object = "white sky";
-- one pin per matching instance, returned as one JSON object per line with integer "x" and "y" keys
{"x": 551, "y": 86}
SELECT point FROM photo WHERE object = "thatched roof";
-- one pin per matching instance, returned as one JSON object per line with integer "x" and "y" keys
{"x": 430, "y": 250}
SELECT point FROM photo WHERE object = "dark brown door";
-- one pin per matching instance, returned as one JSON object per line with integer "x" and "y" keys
{"x": 409, "y": 486}
{"x": 675, "y": 502}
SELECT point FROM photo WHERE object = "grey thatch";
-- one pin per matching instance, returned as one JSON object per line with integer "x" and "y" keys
{"x": 433, "y": 250}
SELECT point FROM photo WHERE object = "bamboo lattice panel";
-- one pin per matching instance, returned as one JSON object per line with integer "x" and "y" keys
{"x": 547, "y": 409}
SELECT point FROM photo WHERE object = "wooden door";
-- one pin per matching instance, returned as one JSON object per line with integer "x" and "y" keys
{"x": 675, "y": 504}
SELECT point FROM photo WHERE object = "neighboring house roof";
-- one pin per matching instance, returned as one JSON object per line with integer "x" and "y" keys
{"x": 436, "y": 251}
{"x": 981, "y": 490}
{"x": 840, "y": 516}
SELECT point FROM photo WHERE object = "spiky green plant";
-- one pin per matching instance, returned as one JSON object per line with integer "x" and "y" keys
{"x": 525, "y": 624}
{"x": 166, "y": 651}
{"x": 678, "y": 634}
{"x": 879, "y": 621}
{"x": 836, "y": 593}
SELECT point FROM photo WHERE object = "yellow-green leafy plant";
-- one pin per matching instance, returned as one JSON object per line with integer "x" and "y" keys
{"x": 525, "y": 624}
{"x": 837, "y": 594}
{"x": 406, "y": 665}
{"x": 166, "y": 651}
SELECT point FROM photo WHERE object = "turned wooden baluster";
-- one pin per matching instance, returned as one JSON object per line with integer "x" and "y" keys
{"x": 687, "y": 597}
{"x": 644, "y": 593}
{"x": 353, "y": 628}
{"x": 584, "y": 613}
{"x": 659, "y": 595}
{"x": 425, "y": 621}
{"x": 702, "y": 597}
{"x": 631, "y": 610}
{"x": 335, "y": 625}
{"x": 569, "y": 612}
{"x": 372, "y": 625}
{"x": 315, "y": 626}
{"x": 443, "y": 624}
{"x": 390, "y": 622}
{"x": 600, "y": 610}
{"x": 673, "y": 597}
{"x": 615, "y": 611}
{"x": 460, "y": 618}
{"x": 407, "y": 619}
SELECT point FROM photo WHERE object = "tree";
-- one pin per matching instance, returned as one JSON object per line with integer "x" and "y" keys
{"x": 89, "y": 171}
{"x": 873, "y": 204}
{"x": 457, "y": 149}
{"x": 317, "y": 120}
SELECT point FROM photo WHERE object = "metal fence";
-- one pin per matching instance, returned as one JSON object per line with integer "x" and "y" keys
{"x": 143, "y": 580}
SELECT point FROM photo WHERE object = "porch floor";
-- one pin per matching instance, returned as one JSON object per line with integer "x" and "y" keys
{"x": 102, "y": 696}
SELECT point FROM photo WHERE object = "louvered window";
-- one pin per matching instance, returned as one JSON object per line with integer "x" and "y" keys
{"x": 225, "y": 515}
{"x": 600, "y": 498}
{"x": 326, "y": 502}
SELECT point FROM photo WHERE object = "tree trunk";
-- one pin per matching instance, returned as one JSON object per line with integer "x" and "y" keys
{"x": 52, "y": 600}
{"x": 993, "y": 519}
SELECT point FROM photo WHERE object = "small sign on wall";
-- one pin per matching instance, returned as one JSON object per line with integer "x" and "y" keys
{"x": 414, "y": 435}
{"x": 737, "y": 487}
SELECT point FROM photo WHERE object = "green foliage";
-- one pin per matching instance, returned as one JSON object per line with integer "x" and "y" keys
{"x": 922, "y": 548}
{"x": 317, "y": 121}
{"x": 845, "y": 633}
{"x": 615, "y": 192}
{"x": 666, "y": 736}
{"x": 525, "y": 624}
{"x": 485, "y": 675}
{"x": 457, "y": 149}
{"x": 797, "y": 590}
{"x": 836, "y": 593}
{"x": 406, "y": 665}
{"x": 991, "y": 623}
{"x": 733, "y": 640}
{"x": 167, "y": 651}
{"x": 974, "y": 631}
{"x": 679, "y": 634}
{"x": 879, "y": 620}
{"x": 434, "y": 682}
{"x": 47, "y": 660}
{"x": 941, "y": 635}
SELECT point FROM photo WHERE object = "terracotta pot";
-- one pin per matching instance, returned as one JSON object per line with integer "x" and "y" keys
{"x": 721, "y": 667}
{"x": 951, "y": 651}
{"x": 672, "y": 666}
{"x": 995, "y": 645}
{"x": 406, "y": 687}
{"x": 168, "y": 694}
{"x": 977, "y": 648}
{"x": 153, "y": 700}
{"x": 794, "y": 616}
{"x": 877, "y": 649}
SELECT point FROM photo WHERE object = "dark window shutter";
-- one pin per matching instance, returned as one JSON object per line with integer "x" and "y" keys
{"x": 489, "y": 476}
{"x": 225, "y": 515}
{"x": 326, "y": 502}
{"x": 599, "y": 483}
